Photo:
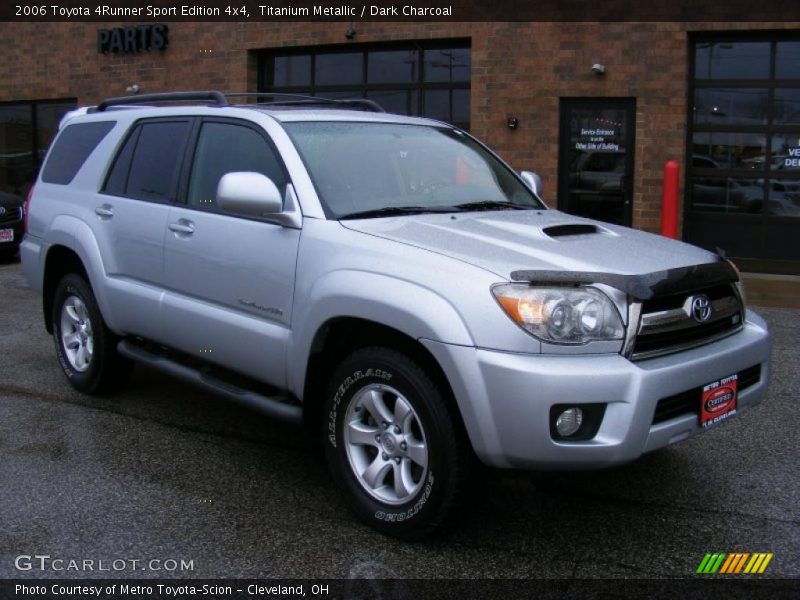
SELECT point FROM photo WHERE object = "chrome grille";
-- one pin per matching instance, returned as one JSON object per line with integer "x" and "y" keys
{"x": 667, "y": 323}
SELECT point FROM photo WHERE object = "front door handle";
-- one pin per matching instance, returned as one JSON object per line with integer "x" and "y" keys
{"x": 182, "y": 226}
{"x": 104, "y": 212}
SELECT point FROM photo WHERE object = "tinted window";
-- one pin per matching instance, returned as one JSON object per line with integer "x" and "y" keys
{"x": 118, "y": 177}
{"x": 224, "y": 148}
{"x": 71, "y": 150}
{"x": 155, "y": 162}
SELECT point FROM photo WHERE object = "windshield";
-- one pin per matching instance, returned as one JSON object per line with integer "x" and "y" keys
{"x": 380, "y": 169}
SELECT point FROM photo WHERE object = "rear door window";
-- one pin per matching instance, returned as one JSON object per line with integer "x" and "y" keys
{"x": 147, "y": 166}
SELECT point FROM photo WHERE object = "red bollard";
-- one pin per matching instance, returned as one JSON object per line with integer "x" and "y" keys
{"x": 669, "y": 202}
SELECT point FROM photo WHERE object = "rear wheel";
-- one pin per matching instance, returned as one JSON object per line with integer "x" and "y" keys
{"x": 392, "y": 445}
{"x": 86, "y": 348}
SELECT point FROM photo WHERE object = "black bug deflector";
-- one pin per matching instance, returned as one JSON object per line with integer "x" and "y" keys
{"x": 641, "y": 287}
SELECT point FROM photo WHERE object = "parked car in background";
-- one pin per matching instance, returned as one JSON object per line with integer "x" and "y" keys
{"x": 11, "y": 224}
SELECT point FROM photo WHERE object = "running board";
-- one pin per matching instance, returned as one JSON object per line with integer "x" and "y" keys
{"x": 271, "y": 406}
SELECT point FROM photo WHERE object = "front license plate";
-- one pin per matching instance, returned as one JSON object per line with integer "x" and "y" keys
{"x": 718, "y": 401}
{"x": 6, "y": 235}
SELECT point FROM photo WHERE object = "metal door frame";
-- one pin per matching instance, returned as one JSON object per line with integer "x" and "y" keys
{"x": 627, "y": 104}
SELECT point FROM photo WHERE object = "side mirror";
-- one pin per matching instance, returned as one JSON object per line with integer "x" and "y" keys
{"x": 533, "y": 181}
{"x": 249, "y": 194}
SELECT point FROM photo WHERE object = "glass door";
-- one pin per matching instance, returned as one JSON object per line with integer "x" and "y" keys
{"x": 596, "y": 158}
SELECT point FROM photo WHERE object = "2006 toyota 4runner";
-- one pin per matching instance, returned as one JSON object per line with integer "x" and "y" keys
{"x": 386, "y": 280}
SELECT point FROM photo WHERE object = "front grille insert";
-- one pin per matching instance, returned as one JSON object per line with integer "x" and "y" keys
{"x": 688, "y": 402}
{"x": 11, "y": 215}
{"x": 668, "y": 325}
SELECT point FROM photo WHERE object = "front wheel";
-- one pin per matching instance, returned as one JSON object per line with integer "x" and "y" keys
{"x": 86, "y": 348}
{"x": 391, "y": 443}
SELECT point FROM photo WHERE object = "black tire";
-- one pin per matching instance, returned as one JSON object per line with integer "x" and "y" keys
{"x": 438, "y": 485}
{"x": 105, "y": 371}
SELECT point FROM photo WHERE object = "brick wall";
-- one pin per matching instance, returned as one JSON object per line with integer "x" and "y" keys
{"x": 519, "y": 69}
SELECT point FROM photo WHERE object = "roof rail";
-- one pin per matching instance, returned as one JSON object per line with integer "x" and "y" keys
{"x": 281, "y": 99}
{"x": 214, "y": 97}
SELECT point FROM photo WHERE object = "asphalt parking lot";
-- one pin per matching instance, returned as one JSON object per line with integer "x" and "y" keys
{"x": 163, "y": 471}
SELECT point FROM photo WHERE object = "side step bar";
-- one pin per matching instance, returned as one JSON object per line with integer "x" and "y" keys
{"x": 271, "y": 406}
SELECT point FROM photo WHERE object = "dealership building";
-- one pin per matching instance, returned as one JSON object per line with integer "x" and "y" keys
{"x": 595, "y": 108}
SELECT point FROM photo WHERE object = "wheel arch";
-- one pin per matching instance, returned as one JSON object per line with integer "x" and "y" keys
{"x": 59, "y": 261}
{"x": 339, "y": 337}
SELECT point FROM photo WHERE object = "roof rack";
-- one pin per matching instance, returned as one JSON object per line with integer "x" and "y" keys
{"x": 219, "y": 99}
{"x": 215, "y": 98}
{"x": 281, "y": 99}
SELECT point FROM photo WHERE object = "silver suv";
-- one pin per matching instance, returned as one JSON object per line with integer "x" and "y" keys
{"x": 386, "y": 280}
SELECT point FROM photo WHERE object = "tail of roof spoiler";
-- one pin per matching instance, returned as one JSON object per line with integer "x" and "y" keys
{"x": 78, "y": 112}
{"x": 84, "y": 110}
{"x": 641, "y": 287}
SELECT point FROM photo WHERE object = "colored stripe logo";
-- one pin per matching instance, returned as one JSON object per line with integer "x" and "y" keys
{"x": 734, "y": 563}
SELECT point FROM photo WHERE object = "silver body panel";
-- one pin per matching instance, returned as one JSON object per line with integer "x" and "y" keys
{"x": 254, "y": 294}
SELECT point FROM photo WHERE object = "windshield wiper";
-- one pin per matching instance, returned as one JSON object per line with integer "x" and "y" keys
{"x": 390, "y": 211}
{"x": 491, "y": 205}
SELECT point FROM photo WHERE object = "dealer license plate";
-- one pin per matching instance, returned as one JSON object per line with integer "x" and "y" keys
{"x": 718, "y": 401}
{"x": 6, "y": 235}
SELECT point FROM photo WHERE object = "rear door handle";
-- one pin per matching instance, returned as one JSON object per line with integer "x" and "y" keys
{"x": 182, "y": 226}
{"x": 104, "y": 212}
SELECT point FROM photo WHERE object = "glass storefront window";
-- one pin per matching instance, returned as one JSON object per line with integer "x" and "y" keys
{"x": 718, "y": 150}
{"x": 732, "y": 60}
{"x": 17, "y": 162}
{"x": 786, "y": 106}
{"x": 339, "y": 69}
{"x": 26, "y": 130}
{"x": 727, "y": 195}
{"x": 787, "y": 60}
{"x": 293, "y": 70}
{"x": 785, "y": 152}
{"x": 428, "y": 78}
{"x": 725, "y": 106}
{"x": 394, "y": 66}
{"x": 451, "y": 64}
{"x": 743, "y": 176}
{"x": 784, "y": 197}
{"x": 402, "y": 102}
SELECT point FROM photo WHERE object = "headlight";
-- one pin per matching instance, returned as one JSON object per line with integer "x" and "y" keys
{"x": 561, "y": 315}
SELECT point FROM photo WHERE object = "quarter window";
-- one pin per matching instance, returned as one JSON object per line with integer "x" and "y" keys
{"x": 72, "y": 149}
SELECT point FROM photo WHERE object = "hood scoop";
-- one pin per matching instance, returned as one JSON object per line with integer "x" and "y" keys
{"x": 571, "y": 229}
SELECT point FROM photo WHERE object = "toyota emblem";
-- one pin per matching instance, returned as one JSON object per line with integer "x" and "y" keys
{"x": 701, "y": 308}
{"x": 2, "y": 210}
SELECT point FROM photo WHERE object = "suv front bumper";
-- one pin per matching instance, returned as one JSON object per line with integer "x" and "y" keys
{"x": 505, "y": 398}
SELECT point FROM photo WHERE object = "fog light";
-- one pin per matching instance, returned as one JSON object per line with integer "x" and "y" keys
{"x": 569, "y": 421}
